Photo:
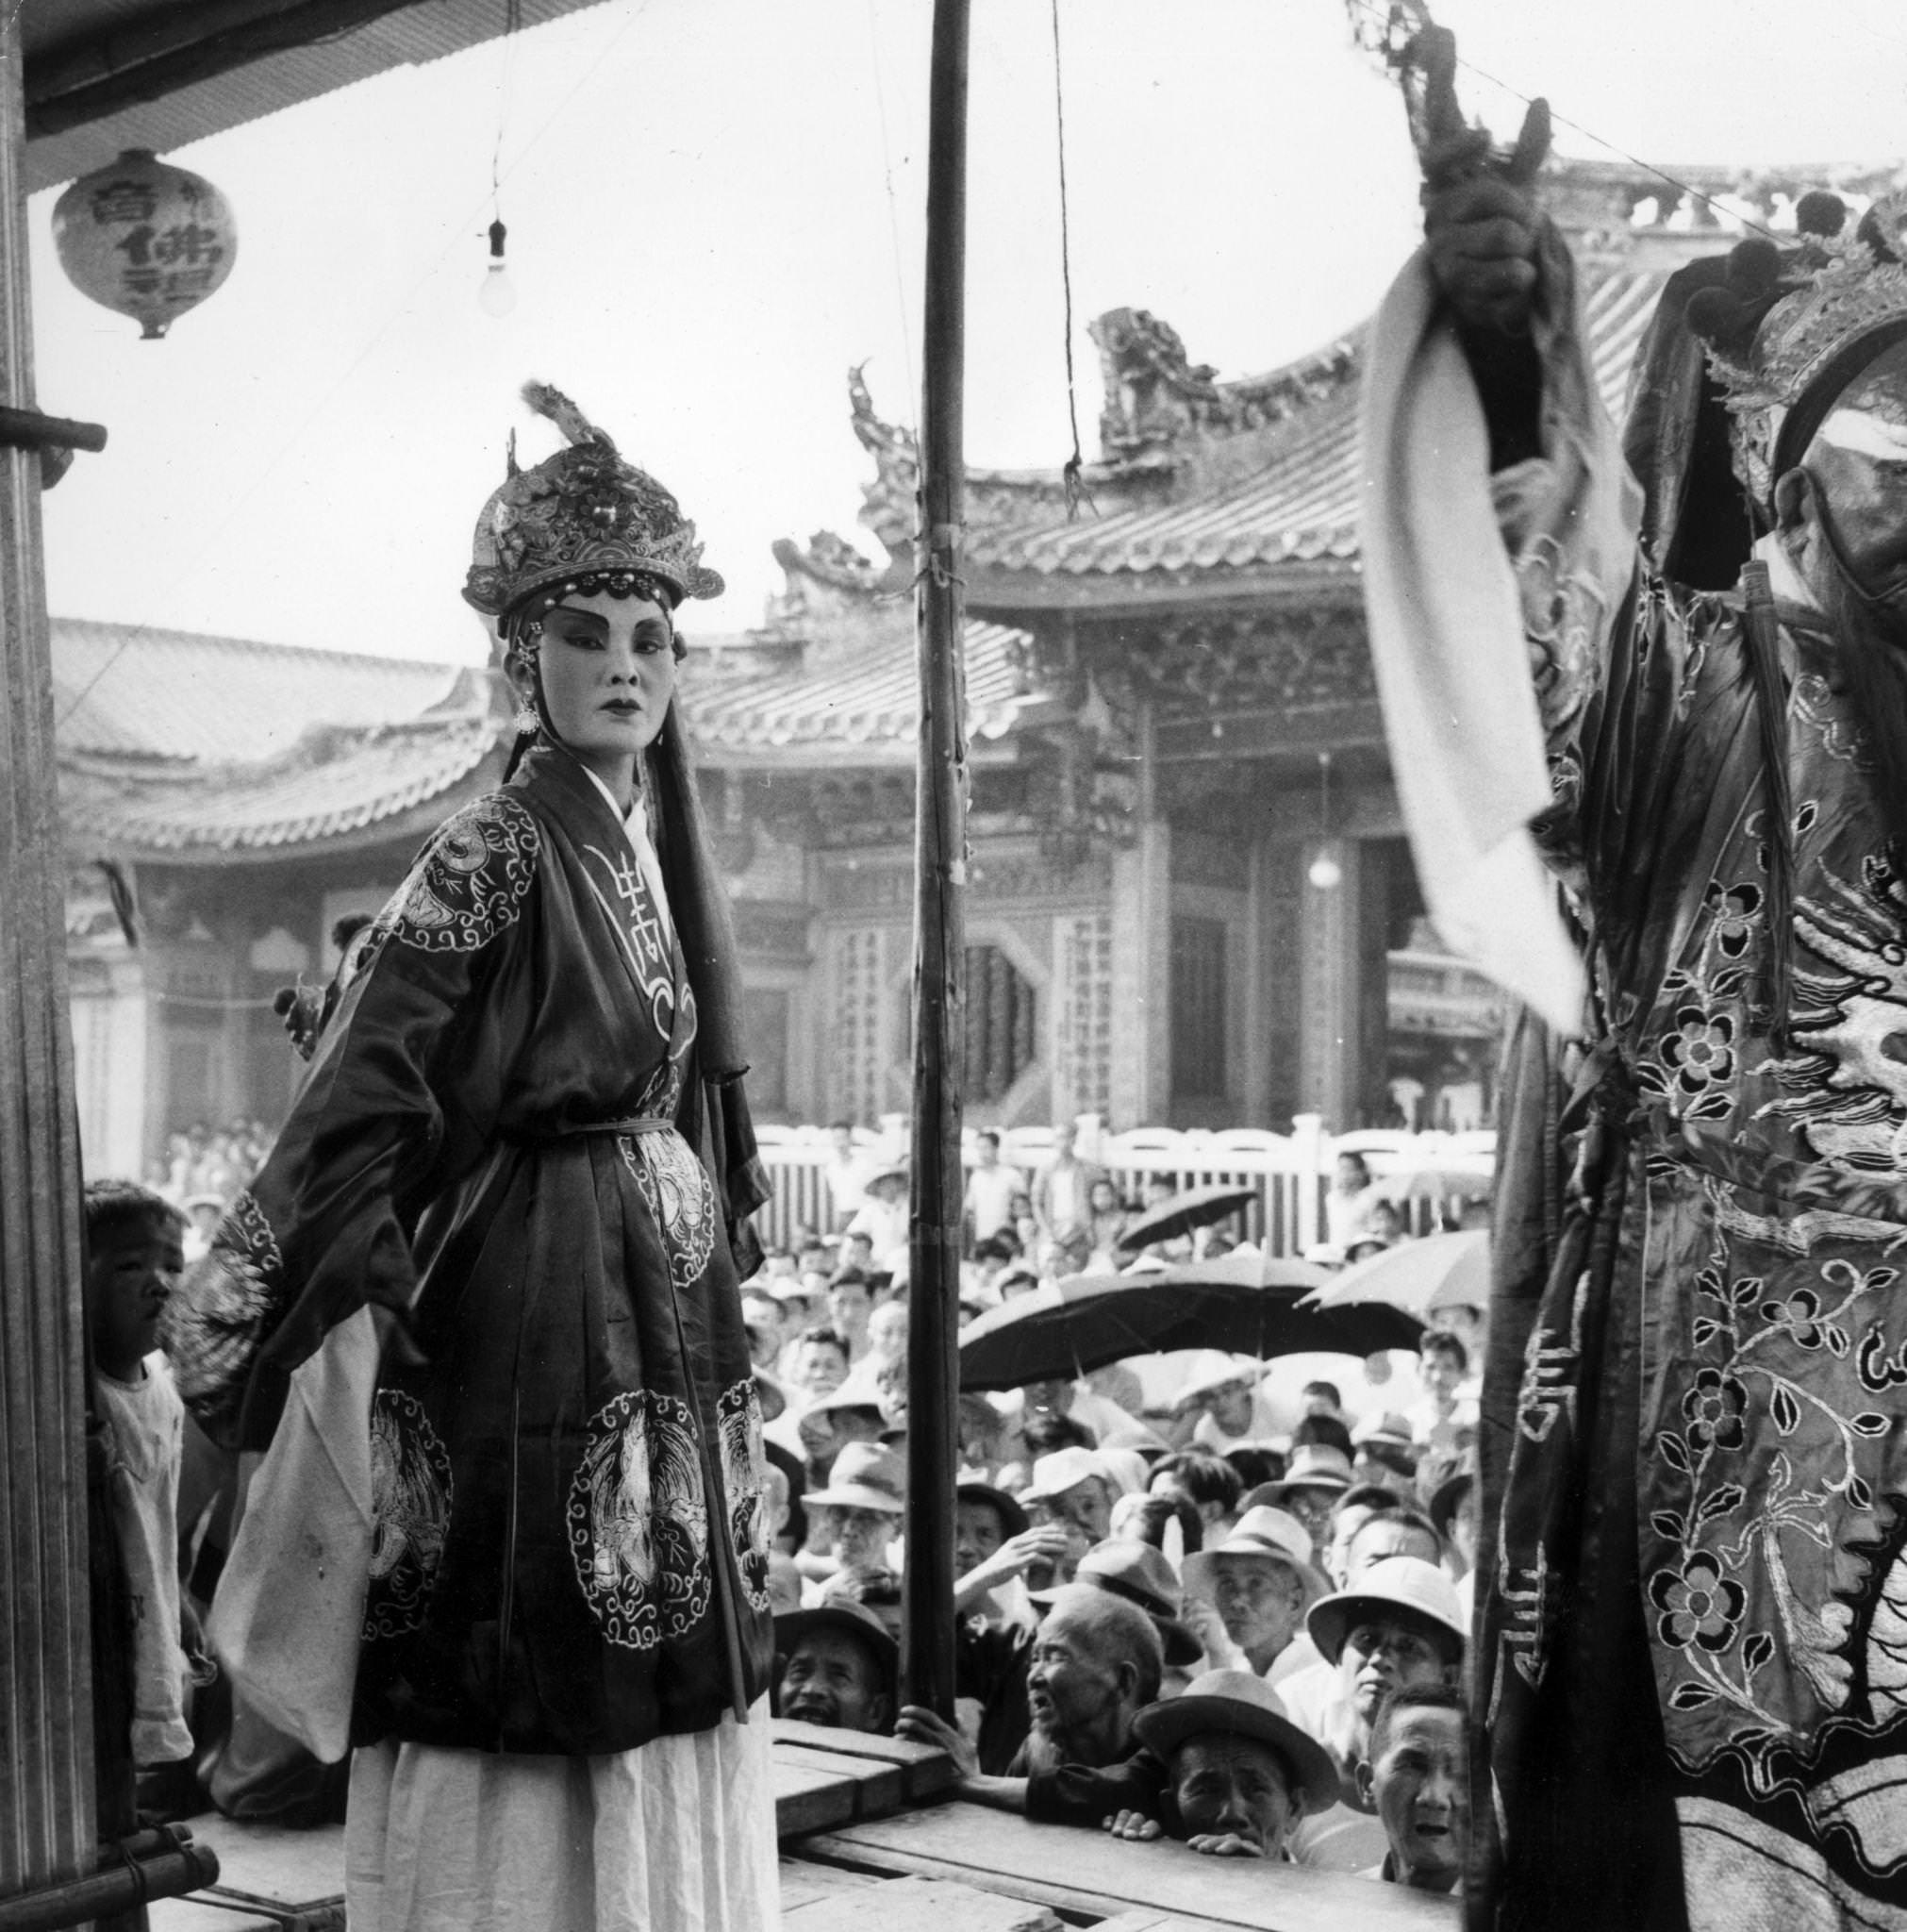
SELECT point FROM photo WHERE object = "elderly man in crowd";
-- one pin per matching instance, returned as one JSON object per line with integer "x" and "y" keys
{"x": 1234, "y": 1774}
{"x": 1417, "y": 1779}
{"x": 858, "y": 1513}
{"x": 1261, "y": 1582}
{"x": 840, "y": 1668}
{"x": 1095, "y": 1664}
{"x": 1141, "y": 1574}
{"x": 1397, "y": 1628}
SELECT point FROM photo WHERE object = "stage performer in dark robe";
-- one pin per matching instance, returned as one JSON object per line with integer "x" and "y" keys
{"x": 524, "y": 1145}
{"x": 1691, "y": 1667}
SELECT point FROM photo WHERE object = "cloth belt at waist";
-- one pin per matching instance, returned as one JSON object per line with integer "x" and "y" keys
{"x": 636, "y": 1123}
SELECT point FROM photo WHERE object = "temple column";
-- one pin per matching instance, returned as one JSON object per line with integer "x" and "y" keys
{"x": 46, "y": 1746}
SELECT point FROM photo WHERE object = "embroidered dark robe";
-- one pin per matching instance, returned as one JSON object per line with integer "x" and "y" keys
{"x": 504, "y": 1141}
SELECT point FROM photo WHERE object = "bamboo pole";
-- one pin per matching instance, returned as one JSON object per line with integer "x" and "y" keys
{"x": 939, "y": 884}
{"x": 46, "y": 1746}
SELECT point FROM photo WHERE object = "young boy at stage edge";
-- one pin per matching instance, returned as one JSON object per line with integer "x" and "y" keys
{"x": 135, "y": 1255}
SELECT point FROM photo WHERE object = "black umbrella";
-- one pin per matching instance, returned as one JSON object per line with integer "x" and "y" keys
{"x": 1242, "y": 1304}
{"x": 1193, "y": 1208}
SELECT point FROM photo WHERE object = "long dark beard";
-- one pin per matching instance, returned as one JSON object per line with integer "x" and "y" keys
{"x": 1870, "y": 656}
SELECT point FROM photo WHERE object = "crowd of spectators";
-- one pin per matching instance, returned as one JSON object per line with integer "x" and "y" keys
{"x": 1198, "y": 1619}
{"x": 203, "y": 1168}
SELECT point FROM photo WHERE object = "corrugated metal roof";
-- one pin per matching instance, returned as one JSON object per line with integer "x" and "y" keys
{"x": 128, "y": 690}
{"x": 1302, "y": 507}
{"x": 106, "y": 35}
{"x": 372, "y": 777}
{"x": 865, "y": 700}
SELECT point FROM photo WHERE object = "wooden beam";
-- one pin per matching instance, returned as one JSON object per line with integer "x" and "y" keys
{"x": 46, "y": 1754}
{"x": 940, "y": 891}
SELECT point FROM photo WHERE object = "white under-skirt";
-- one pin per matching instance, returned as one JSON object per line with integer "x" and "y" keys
{"x": 676, "y": 1836}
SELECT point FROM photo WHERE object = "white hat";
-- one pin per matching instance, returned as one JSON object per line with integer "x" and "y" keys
{"x": 1395, "y": 1583}
{"x": 1065, "y": 1469}
{"x": 1261, "y": 1532}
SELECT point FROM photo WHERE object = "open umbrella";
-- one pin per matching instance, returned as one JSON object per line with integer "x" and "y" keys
{"x": 1191, "y": 1208}
{"x": 1242, "y": 1304}
{"x": 1442, "y": 1270}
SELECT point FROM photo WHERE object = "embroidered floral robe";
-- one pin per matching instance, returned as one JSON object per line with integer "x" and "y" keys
{"x": 571, "y": 1552}
{"x": 1693, "y": 1645}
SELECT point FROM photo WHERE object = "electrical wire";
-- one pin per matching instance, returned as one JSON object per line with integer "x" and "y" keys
{"x": 1070, "y": 476}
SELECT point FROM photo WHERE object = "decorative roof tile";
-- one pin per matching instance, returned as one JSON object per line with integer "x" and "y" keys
{"x": 130, "y": 690}
{"x": 868, "y": 699}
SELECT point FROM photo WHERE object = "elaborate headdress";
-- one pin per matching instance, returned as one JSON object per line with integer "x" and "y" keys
{"x": 1788, "y": 330}
{"x": 584, "y": 512}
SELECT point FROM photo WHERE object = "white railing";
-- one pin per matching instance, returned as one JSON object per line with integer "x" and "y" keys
{"x": 1288, "y": 1172}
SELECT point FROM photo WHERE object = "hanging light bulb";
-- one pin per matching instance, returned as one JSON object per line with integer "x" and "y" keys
{"x": 498, "y": 294}
{"x": 1325, "y": 873}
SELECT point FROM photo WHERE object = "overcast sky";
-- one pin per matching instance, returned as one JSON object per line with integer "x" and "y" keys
{"x": 715, "y": 208}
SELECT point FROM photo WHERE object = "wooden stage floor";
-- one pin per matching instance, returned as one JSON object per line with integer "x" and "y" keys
{"x": 871, "y": 1842}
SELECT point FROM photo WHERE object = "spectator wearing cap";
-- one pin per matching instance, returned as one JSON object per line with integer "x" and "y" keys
{"x": 1207, "y": 1481}
{"x": 994, "y": 1546}
{"x": 1383, "y": 1452}
{"x": 1416, "y": 1777}
{"x": 995, "y": 1543}
{"x": 1095, "y": 1663}
{"x": 1238, "y": 1774}
{"x": 861, "y": 1505}
{"x": 1398, "y": 1627}
{"x": 1261, "y": 1582}
{"x": 830, "y": 1424}
{"x": 1317, "y": 1475}
{"x": 1075, "y": 1488}
{"x": 839, "y": 1668}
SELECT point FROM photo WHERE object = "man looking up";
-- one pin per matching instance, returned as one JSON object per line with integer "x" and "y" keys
{"x": 1417, "y": 1779}
{"x": 1096, "y": 1663}
{"x": 840, "y": 1670}
{"x": 1261, "y": 1581}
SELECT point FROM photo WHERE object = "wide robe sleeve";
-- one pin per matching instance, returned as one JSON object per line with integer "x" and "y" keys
{"x": 400, "y": 1105}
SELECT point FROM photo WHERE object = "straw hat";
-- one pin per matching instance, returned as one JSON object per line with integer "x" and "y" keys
{"x": 1391, "y": 1431}
{"x": 865, "y": 1475}
{"x": 1241, "y": 1705}
{"x": 841, "y": 1613}
{"x": 1065, "y": 1469}
{"x": 1406, "y": 1584}
{"x": 1266, "y": 1532}
{"x": 1142, "y": 1575}
{"x": 1313, "y": 1466}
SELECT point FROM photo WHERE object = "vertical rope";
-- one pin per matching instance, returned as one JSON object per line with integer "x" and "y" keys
{"x": 1071, "y": 477}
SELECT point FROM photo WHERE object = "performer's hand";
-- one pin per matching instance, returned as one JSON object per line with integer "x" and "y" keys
{"x": 1481, "y": 214}
{"x": 927, "y": 1728}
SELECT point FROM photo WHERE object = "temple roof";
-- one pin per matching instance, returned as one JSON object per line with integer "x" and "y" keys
{"x": 1201, "y": 476}
{"x": 866, "y": 700}
{"x": 179, "y": 746}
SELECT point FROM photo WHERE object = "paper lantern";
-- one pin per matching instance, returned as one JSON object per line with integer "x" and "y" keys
{"x": 145, "y": 238}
